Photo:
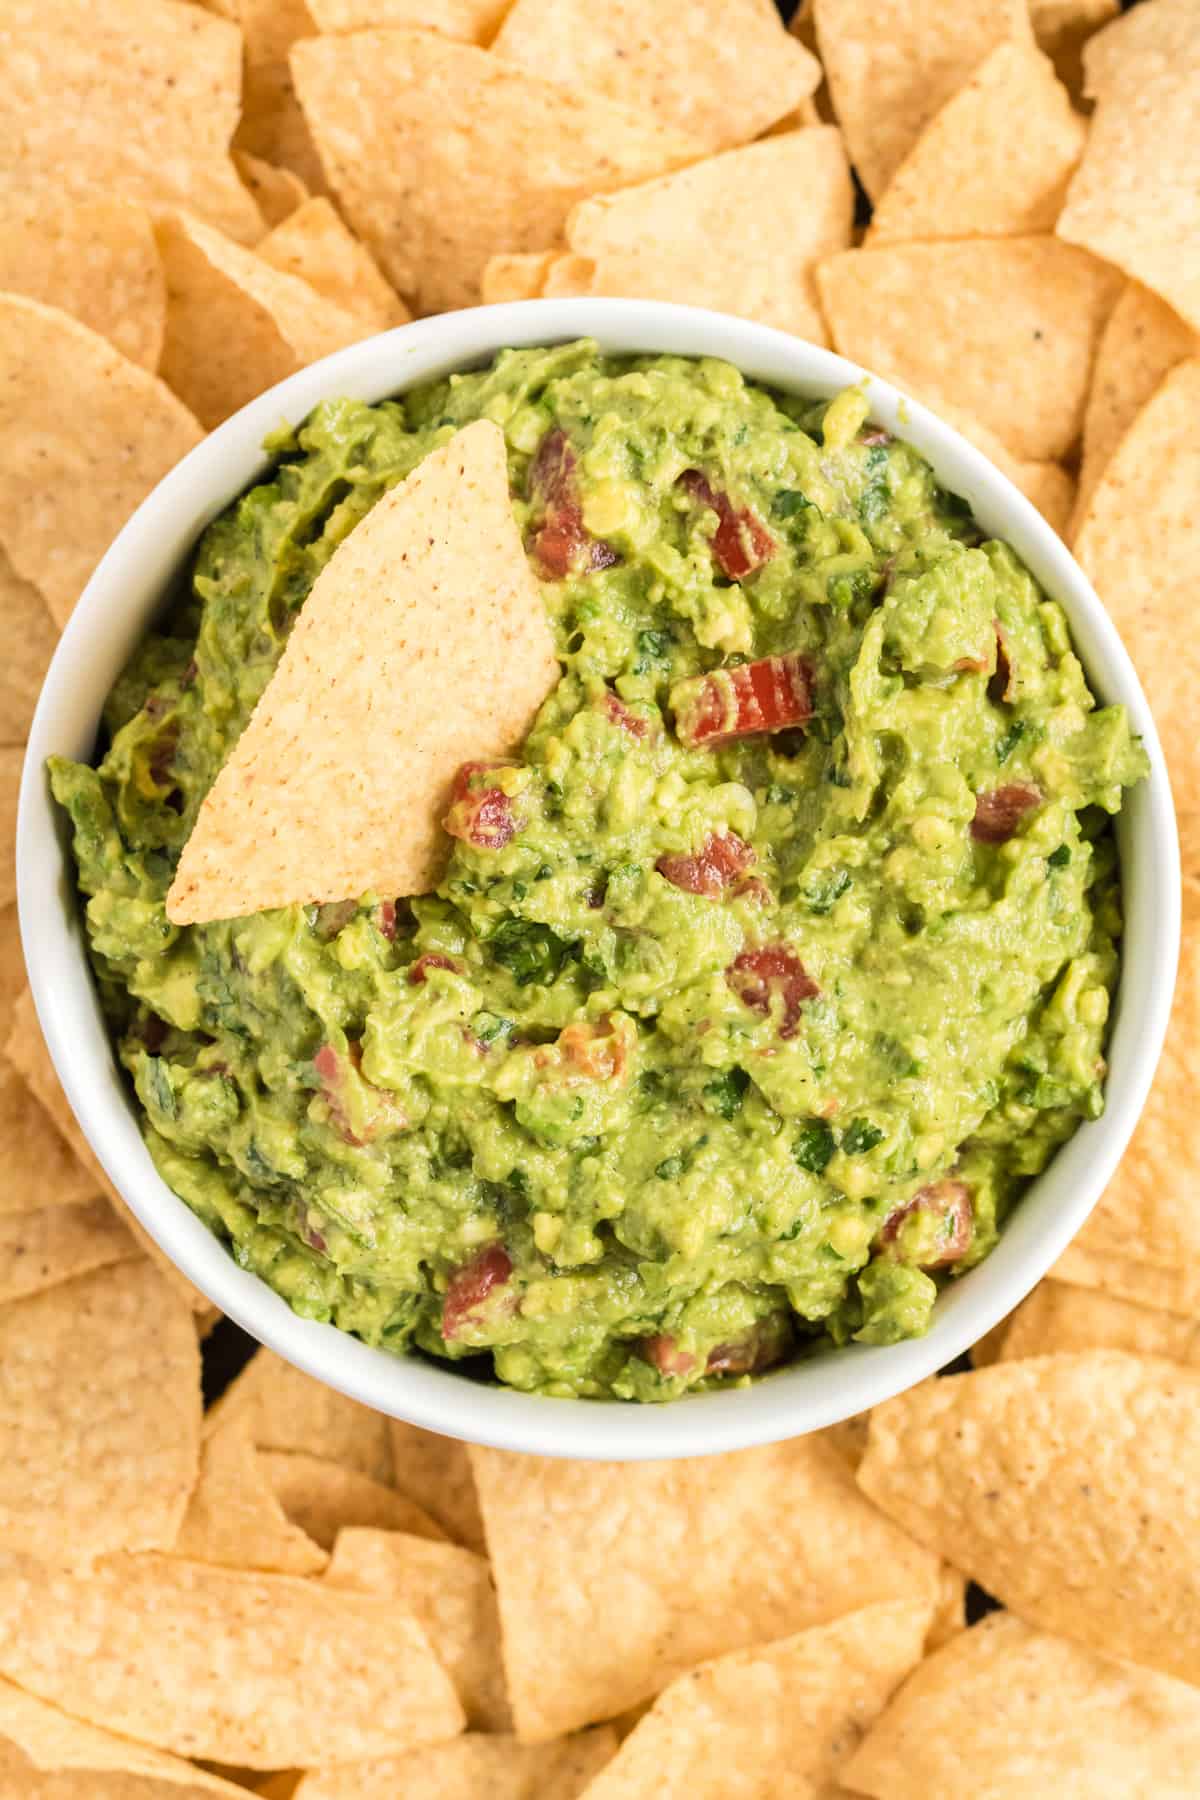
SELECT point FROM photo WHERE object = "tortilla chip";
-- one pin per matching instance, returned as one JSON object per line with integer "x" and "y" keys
{"x": 449, "y": 1592}
{"x": 1012, "y": 1712}
{"x": 473, "y": 1768}
{"x": 721, "y": 70}
{"x": 849, "y": 1438}
{"x": 1142, "y": 342}
{"x": 1138, "y": 538}
{"x": 990, "y": 1347}
{"x": 941, "y": 319}
{"x": 235, "y": 325}
{"x": 95, "y": 258}
{"x": 891, "y": 66}
{"x": 315, "y": 246}
{"x": 614, "y": 1578}
{"x": 272, "y": 125}
{"x": 518, "y": 277}
{"x": 1148, "y": 1284}
{"x": 791, "y": 197}
{"x": 1067, "y": 1486}
{"x": 259, "y": 1670}
{"x": 234, "y": 1518}
{"x": 12, "y": 761}
{"x": 321, "y": 1498}
{"x": 288, "y": 1410}
{"x": 386, "y": 687}
{"x": 970, "y": 174}
{"x": 284, "y": 1783}
{"x": 950, "y": 1614}
{"x": 780, "y": 1718}
{"x": 1063, "y": 27}
{"x": 1136, "y": 197}
{"x": 1060, "y": 1317}
{"x": 132, "y": 97}
{"x": 474, "y": 21}
{"x": 35, "y": 1162}
{"x": 436, "y": 1472}
{"x": 568, "y": 277}
{"x": 447, "y": 154}
{"x": 1047, "y": 484}
{"x": 99, "y": 1415}
{"x": 49, "y": 1244}
{"x": 103, "y": 440}
{"x": 27, "y": 640}
{"x": 276, "y": 192}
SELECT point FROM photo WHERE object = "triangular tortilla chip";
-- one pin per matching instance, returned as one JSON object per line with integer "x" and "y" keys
{"x": 272, "y": 125}
{"x": 103, "y": 440}
{"x": 1059, "y": 1316}
{"x": 289, "y": 1410}
{"x": 49, "y": 1244}
{"x": 1049, "y": 486}
{"x": 436, "y": 1472}
{"x": 567, "y": 277}
{"x": 51, "y": 1741}
{"x": 35, "y": 1161}
{"x": 1136, "y": 197}
{"x": 781, "y": 1718}
{"x": 313, "y": 244}
{"x": 12, "y": 761}
{"x": 448, "y": 154}
{"x": 969, "y": 174}
{"x": 785, "y": 203}
{"x": 323, "y": 1498}
{"x": 131, "y": 97}
{"x": 940, "y": 319}
{"x": 721, "y": 70}
{"x": 276, "y": 192}
{"x": 475, "y": 1767}
{"x": 423, "y": 645}
{"x": 234, "y": 1518}
{"x": 1174, "y": 1290}
{"x": 92, "y": 256}
{"x": 515, "y": 277}
{"x": 614, "y": 1578}
{"x": 1012, "y": 1712}
{"x": 474, "y": 21}
{"x": 28, "y": 636}
{"x": 1067, "y": 1486}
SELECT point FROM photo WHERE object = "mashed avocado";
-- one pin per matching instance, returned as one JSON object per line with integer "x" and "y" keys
{"x": 759, "y": 983}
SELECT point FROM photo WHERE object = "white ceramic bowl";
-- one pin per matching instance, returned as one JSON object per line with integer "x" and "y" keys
{"x": 116, "y": 609}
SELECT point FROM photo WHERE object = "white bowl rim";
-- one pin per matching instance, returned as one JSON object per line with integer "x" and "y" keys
{"x": 112, "y": 615}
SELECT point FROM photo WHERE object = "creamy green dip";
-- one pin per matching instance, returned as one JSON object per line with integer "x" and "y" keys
{"x": 704, "y": 1053}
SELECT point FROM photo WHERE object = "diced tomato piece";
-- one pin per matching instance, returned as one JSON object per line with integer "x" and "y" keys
{"x": 772, "y": 694}
{"x": 720, "y": 860}
{"x": 387, "y": 920}
{"x": 433, "y": 959}
{"x": 998, "y": 813}
{"x": 594, "y": 1050}
{"x": 1003, "y": 685}
{"x": 359, "y": 1111}
{"x": 663, "y": 1353}
{"x": 741, "y": 542}
{"x": 949, "y": 1201}
{"x": 772, "y": 975}
{"x": 561, "y": 542}
{"x": 480, "y": 815}
{"x": 617, "y": 713}
{"x": 761, "y": 1348}
{"x": 473, "y": 1284}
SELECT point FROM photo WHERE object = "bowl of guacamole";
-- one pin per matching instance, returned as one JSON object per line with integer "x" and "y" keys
{"x": 767, "y": 994}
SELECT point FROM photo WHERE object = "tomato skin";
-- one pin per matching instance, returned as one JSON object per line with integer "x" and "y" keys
{"x": 775, "y": 693}
{"x": 950, "y": 1200}
{"x": 775, "y": 972}
{"x": 720, "y": 861}
{"x": 741, "y": 542}
{"x": 472, "y": 1284}
{"x": 998, "y": 813}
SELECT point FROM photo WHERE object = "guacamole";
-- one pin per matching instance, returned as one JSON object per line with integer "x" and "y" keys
{"x": 759, "y": 983}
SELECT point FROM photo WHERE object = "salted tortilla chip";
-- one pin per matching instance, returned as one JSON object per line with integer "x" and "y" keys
{"x": 49, "y": 1244}
{"x": 259, "y": 1670}
{"x": 1059, "y": 1316}
{"x": 614, "y": 1578}
{"x": 1067, "y": 1486}
{"x": 1136, "y": 197}
{"x": 235, "y": 324}
{"x": 234, "y": 1518}
{"x": 568, "y": 277}
{"x": 942, "y": 320}
{"x": 781, "y": 1717}
{"x": 92, "y": 256}
{"x": 436, "y": 1472}
{"x": 322, "y": 1497}
{"x": 27, "y": 640}
{"x": 314, "y": 245}
{"x": 276, "y": 192}
{"x": 1148, "y": 1284}
{"x": 1138, "y": 539}
{"x": 1140, "y": 345}
{"x": 12, "y": 761}
{"x": 1011, "y": 1712}
{"x": 891, "y": 65}
{"x": 969, "y": 174}
{"x": 1050, "y": 487}
{"x": 272, "y": 125}
{"x": 721, "y": 70}
{"x": 474, "y": 21}
{"x": 472, "y": 1768}
{"x": 386, "y": 687}
{"x": 448, "y": 154}
{"x": 950, "y": 1613}
{"x": 103, "y": 440}
{"x": 519, "y": 277}
{"x": 12, "y": 966}
{"x": 788, "y": 200}
{"x": 1063, "y": 27}
{"x": 288, "y": 1410}
{"x": 99, "y": 1415}
{"x": 35, "y": 1161}
{"x": 990, "y": 1347}
{"x": 131, "y": 97}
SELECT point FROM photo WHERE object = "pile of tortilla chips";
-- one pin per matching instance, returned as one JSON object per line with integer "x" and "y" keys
{"x": 285, "y": 1593}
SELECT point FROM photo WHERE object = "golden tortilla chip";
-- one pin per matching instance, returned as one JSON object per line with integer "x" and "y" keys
{"x": 99, "y": 1415}
{"x": 449, "y": 1592}
{"x": 519, "y": 277}
{"x": 1148, "y": 1284}
{"x": 1058, "y": 1316}
{"x": 567, "y": 277}
{"x": 1047, "y": 484}
{"x": 891, "y": 66}
{"x": 322, "y": 1498}
{"x": 12, "y": 967}
{"x": 95, "y": 258}
{"x": 103, "y": 440}
{"x": 1138, "y": 539}
{"x": 677, "y": 238}
{"x": 283, "y": 1784}
{"x": 436, "y": 1472}
{"x": 288, "y": 1410}
{"x": 1136, "y": 197}
{"x": 234, "y": 1517}
{"x": 49, "y": 1244}
{"x": 474, "y": 21}
{"x": 27, "y": 640}
{"x": 448, "y": 154}
{"x": 35, "y": 1161}
{"x": 942, "y": 320}
{"x": 259, "y": 1670}
{"x": 1010, "y": 1712}
{"x": 778, "y": 1718}
{"x": 386, "y": 687}
{"x": 990, "y": 1347}
{"x": 12, "y": 761}
{"x": 132, "y": 97}
{"x": 272, "y": 125}
{"x": 473, "y": 1768}
{"x": 276, "y": 192}
{"x": 1067, "y": 1486}
{"x": 235, "y": 324}
{"x": 314, "y": 245}
{"x": 1142, "y": 342}
{"x": 614, "y": 1578}
{"x": 721, "y": 70}
{"x": 970, "y": 174}
{"x": 950, "y": 1614}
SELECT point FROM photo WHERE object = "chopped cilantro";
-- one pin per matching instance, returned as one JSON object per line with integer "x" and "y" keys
{"x": 814, "y": 1147}
{"x": 725, "y": 1093}
{"x": 860, "y": 1136}
{"x": 1010, "y": 740}
{"x": 826, "y": 891}
{"x": 788, "y": 502}
{"x": 1058, "y": 859}
{"x": 528, "y": 950}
